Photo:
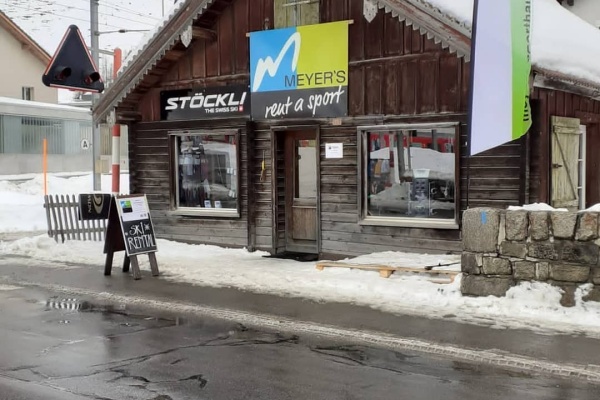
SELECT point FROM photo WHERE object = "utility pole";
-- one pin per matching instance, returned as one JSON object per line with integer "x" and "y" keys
{"x": 96, "y": 145}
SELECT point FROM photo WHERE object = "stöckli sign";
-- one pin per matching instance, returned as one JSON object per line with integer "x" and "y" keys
{"x": 299, "y": 72}
{"x": 203, "y": 103}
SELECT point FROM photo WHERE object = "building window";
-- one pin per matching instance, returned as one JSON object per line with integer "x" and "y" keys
{"x": 295, "y": 13}
{"x": 409, "y": 175}
{"x": 206, "y": 173}
{"x": 27, "y": 93}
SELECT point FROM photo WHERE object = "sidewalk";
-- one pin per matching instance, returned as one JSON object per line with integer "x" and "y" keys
{"x": 86, "y": 280}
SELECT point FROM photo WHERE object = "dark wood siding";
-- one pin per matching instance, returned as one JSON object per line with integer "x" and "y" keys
{"x": 151, "y": 173}
{"x": 395, "y": 75}
{"x": 491, "y": 178}
{"x": 405, "y": 75}
{"x": 206, "y": 63}
{"x": 563, "y": 104}
{"x": 263, "y": 190}
{"x": 341, "y": 233}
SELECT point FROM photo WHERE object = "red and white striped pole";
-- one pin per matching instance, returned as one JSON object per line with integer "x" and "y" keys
{"x": 116, "y": 133}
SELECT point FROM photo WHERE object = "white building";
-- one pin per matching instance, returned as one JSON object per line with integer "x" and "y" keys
{"x": 22, "y": 65}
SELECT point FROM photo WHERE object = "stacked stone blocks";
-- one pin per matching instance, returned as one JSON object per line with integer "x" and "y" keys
{"x": 501, "y": 248}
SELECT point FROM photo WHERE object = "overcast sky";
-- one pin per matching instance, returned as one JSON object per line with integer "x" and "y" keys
{"x": 47, "y": 20}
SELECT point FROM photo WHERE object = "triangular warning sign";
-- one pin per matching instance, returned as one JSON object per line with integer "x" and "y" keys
{"x": 72, "y": 66}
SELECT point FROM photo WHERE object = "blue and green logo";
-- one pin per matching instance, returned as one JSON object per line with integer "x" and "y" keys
{"x": 300, "y": 71}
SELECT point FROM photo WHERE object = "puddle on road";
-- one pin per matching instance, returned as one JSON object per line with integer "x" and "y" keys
{"x": 75, "y": 305}
{"x": 67, "y": 304}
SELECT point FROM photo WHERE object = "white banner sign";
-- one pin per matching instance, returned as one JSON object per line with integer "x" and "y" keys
{"x": 501, "y": 65}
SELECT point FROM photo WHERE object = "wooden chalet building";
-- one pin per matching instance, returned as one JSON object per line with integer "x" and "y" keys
{"x": 387, "y": 170}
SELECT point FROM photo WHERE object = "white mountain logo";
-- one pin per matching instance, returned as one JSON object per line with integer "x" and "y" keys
{"x": 267, "y": 65}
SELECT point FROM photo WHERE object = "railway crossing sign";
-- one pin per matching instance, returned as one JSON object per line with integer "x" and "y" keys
{"x": 72, "y": 66}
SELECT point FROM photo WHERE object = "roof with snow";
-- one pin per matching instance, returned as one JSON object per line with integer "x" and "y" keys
{"x": 10, "y": 106}
{"x": 557, "y": 54}
{"x": 155, "y": 44}
{"x": 25, "y": 40}
{"x": 563, "y": 46}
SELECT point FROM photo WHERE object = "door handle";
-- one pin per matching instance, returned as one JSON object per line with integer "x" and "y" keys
{"x": 555, "y": 165}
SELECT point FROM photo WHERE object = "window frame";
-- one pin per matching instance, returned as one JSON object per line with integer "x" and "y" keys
{"x": 225, "y": 213}
{"x": 407, "y": 222}
{"x": 582, "y": 164}
{"x": 27, "y": 90}
{"x": 300, "y": 9}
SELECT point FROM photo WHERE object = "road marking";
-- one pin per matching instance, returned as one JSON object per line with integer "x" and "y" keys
{"x": 489, "y": 357}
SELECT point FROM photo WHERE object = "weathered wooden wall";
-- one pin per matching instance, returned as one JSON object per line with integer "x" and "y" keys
{"x": 563, "y": 104}
{"x": 150, "y": 166}
{"x": 396, "y": 75}
{"x": 205, "y": 63}
{"x": 341, "y": 233}
{"x": 394, "y": 70}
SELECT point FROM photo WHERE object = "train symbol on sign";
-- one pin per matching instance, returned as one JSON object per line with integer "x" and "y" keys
{"x": 85, "y": 144}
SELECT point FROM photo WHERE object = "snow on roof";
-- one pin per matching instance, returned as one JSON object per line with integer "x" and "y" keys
{"x": 26, "y": 107}
{"x": 163, "y": 36}
{"x": 148, "y": 37}
{"x": 560, "y": 40}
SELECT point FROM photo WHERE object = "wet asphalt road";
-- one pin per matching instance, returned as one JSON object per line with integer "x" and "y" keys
{"x": 58, "y": 347}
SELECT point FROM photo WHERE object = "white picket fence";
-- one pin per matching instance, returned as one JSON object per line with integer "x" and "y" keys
{"x": 62, "y": 214}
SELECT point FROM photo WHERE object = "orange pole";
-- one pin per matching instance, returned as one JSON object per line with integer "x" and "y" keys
{"x": 45, "y": 164}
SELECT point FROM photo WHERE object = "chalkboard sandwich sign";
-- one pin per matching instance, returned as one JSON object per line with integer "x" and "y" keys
{"x": 130, "y": 228}
{"x": 136, "y": 225}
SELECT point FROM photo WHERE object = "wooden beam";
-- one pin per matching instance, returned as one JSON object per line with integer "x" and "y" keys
{"x": 129, "y": 116}
{"x": 204, "y": 33}
{"x": 385, "y": 271}
{"x": 173, "y": 55}
{"x": 587, "y": 118}
{"x": 214, "y": 12}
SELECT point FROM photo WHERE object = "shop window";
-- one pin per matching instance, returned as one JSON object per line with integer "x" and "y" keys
{"x": 206, "y": 173}
{"x": 296, "y": 12}
{"x": 409, "y": 175}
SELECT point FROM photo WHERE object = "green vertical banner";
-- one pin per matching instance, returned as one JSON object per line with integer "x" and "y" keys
{"x": 520, "y": 11}
{"x": 499, "y": 109}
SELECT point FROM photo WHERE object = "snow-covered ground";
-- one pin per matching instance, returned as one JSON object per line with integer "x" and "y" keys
{"x": 529, "y": 305}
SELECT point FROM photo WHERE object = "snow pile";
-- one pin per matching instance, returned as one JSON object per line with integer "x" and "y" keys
{"x": 535, "y": 207}
{"x": 22, "y": 201}
{"x": 594, "y": 208}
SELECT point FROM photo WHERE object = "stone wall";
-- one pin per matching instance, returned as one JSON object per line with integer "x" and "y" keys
{"x": 502, "y": 248}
